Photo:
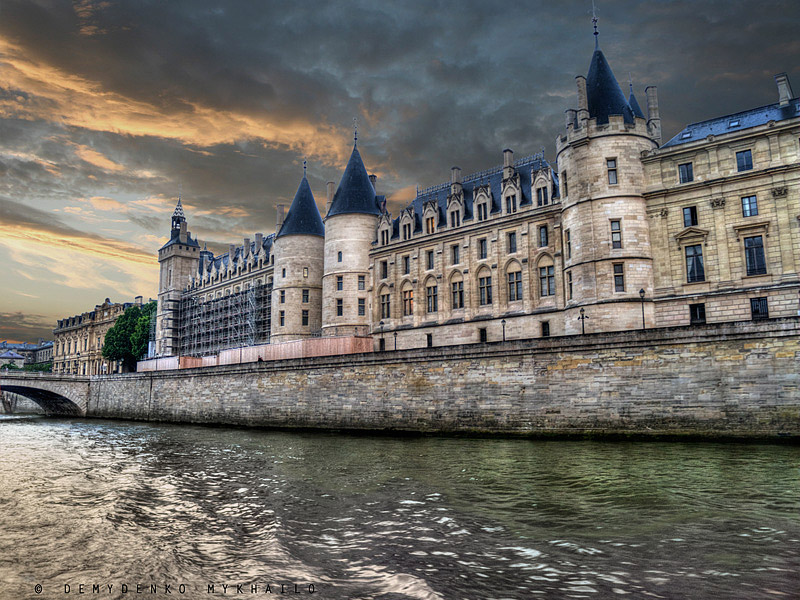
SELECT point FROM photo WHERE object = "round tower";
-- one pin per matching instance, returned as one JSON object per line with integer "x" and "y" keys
{"x": 297, "y": 281}
{"x": 178, "y": 262}
{"x": 350, "y": 229}
{"x": 606, "y": 238}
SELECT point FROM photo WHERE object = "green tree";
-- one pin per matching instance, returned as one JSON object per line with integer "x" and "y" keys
{"x": 141, "y": 333}
{"x": 118, "y": 344}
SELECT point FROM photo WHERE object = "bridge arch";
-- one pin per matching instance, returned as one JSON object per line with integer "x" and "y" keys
{"x": 66, "y": 395}
{"x": 51, "y": 402}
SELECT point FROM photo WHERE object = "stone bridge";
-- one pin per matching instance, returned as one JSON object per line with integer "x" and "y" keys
{"x": 56, "y": 394}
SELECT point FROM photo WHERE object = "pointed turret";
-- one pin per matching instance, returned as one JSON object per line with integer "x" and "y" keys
{"x": 355, "y": 193}
{"x": 303, "y": 217}
{"x": 604, "y": 95}
{"x": 637, "y": 110}
{"x": 178, "y": 217}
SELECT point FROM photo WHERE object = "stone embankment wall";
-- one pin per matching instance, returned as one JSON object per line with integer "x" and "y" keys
{"x": 732, "y": 379}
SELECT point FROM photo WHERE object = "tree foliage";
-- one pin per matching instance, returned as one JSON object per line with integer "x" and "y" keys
{"x": 127, "y": 340}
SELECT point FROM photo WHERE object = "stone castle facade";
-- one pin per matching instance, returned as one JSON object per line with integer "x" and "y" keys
{"x": 621, "y": 231}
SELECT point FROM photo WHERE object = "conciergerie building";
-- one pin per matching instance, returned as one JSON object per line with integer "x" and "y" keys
{"x": 621, "y": 230}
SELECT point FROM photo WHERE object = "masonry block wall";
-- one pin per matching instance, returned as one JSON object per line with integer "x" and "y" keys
{"x": 731, "y": 379}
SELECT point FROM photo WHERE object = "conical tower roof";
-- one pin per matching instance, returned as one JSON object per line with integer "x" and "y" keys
{"x": 355, "y": 193}
{"x": 637, "y": 110}
{"x": 303, "y": 217}
{"x": 603, "y": 93}
{"x": 179, "y": 210}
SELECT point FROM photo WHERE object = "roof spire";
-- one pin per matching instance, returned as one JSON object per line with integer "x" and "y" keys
{"x": 355, "y": 131}
{"x": 594, "y": 24}
{"x": 304, "y": 167}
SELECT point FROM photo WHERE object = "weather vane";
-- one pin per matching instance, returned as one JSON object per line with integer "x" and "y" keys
{"x": 594, "y": 23}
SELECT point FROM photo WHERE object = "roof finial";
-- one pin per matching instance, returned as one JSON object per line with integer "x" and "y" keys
{"x": 594, "y": 24}
{"x": 304, "y": 168}
{"x": 630, "y": 81}
{"x": 355, "y": 131}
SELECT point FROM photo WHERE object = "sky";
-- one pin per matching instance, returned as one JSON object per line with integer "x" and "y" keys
{"x": 109, "y": 109}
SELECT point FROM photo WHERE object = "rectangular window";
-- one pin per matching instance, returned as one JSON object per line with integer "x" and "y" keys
{"x": 564, "y": 184}
{"x": 408, "y": 303}
{"x": 385, "y": 306}
{"x": 545, "y": 328}
{"x": 744, "y": 160}
{"x": 406, "y": 265}
{"x": 384, "y": 269}
{"x": 282, "y": 318}
{"x": 482, "y": 248}
{"x": 362, "y": 307}
{"x": 569, "y": 285}
{"x": 305, "y": 318}
{"x": 511, "y": 204}
{"x": 430, "y": 259}
{"x": 568, "y": 243}
{"x": 543, "y": 241}
{"x": 541, "y": 196}
{"x": 690, "y": 216}
{"x": 515, "y": 286}
{"x": 305, "y": 271}
{"x": 458, "y": 294}
{"x": 482, "y": 335}
{"x": 749, "y": 206}
{"x": 433, "y": 298}
{"x": 547, "y": 281}
{"x": 616, "y": 234}
{"x": 362, "y": 282}
{"x": 685, "y": 173}
{"x": 384, "y": 236}
{"x": 283, "y": 296}
{"x": 482, "y": 212}
{"x": 430, "y": 225}
{"x": 485, "y": 290}
{"x": 305, "y": 296}
{"x": 406, "y": 231}
{"x": 455, "y": 218}
{"x": 697, "y": 314}
{"x": 512, "y": 242}
{"x": 611, "y": 165}
{"x": 339, "y": 283}
{"x": 619, "y": 277}
{"x": 339, "y": 307}
{"x": 759, "y": 308}
{"x": 429, "y": 338}
{"x": 694, "y": 264}
{"x": 754, "y": 255}
{"x": 454, "y": 254}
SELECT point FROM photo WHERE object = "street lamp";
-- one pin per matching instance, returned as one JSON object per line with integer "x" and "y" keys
{"x": 641, "y": 295}
{"x": 582, "y": 319}
{"x": 395, "y": 340}
{"x": 503, "y": 323}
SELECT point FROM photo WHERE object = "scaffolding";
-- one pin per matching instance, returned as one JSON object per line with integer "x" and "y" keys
{"x": 233, "y": 321}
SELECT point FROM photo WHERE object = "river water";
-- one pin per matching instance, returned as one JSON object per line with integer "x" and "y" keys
{"x": 86, "y": 502}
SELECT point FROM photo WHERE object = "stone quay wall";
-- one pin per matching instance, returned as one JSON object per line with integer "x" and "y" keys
{"x": 730, "y": 380}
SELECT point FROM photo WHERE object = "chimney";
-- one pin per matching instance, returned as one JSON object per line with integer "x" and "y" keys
{"x": 653, "y": 117}
{"x": 247, "y": 246}
{"x": 329, "y": 188}
{"x": 279, "y": 218}
{"x": 508, "y": 158}
{"x": 583, "y": 101}
{"x": 259, "y": 242}
{"x": 231, "y": 254}
{"x": 455, "y": 175}
{"x": 785, "y": 94}
{"x": 373, "y": 179}
{"x": 184, "y": 232}
{"x": 571, "y": 116}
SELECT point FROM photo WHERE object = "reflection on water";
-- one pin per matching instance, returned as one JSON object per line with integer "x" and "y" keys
{"x": 370, "y": 517}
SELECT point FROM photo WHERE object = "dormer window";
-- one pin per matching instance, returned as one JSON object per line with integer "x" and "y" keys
{"x": 541, "y": 196}
{"x": 406, "y": 231}
{"x": 483, "y": 211}
{"x": 734, "y": 123}
{"x": 511, "y": 204}
{"x": 430, "y": 225}
{"x": 384, "y": 236}
{"x": 686, "y": 135}
{"x": 455, "y": 218}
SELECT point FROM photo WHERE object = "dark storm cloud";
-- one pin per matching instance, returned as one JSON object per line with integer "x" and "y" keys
{"x": 434, "y": 83}
{"x": 21, "y": 327}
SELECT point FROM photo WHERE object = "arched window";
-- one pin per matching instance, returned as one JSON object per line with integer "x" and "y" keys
{"x": 431, "y": 295}
{"x": 386, "y": 302}
{"x": 514, "y": 279}
{"x": 547, "y": 279}
{"x": 408, "y": 299}
{"x": 484, "y": 287}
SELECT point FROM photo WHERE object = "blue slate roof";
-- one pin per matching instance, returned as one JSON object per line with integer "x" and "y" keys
{"x": 603, "y": 93}
{"x": 209, "y": 262}
{"x": 355, "y": 193}
{"x": 175, "y": 239}
{"x": 637, "y": 111}
{"x": 736, "y": 122}
{"x": 303, "y": 217}
{"x": 470, "y": 184}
